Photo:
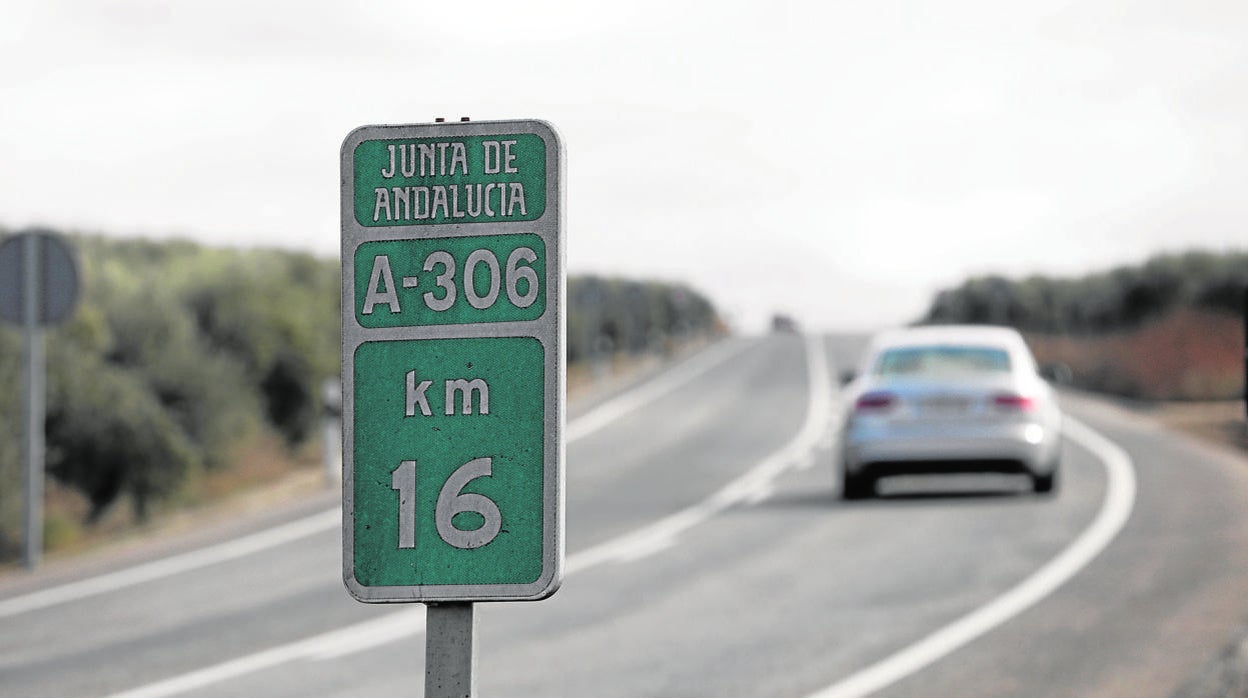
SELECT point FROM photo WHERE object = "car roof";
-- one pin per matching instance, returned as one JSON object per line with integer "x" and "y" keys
{"x": 1006, "y": 338}
{"x": 984, "y": 335}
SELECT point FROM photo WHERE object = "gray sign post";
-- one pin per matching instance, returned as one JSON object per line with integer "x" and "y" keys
{"x": 38, "y": 286}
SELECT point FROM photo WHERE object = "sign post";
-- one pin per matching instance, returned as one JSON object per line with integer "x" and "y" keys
{"x": 38, "y": 286}
{"x": 453, "y": 380}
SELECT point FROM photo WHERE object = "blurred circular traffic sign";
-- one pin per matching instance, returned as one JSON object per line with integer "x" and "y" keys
{"x": 55, "y": 267}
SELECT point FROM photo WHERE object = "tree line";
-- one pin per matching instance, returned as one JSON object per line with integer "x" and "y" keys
{"x": 179, "y": 354}
{"x": 611, "y": 315}
{"x": 1122, "y": 298}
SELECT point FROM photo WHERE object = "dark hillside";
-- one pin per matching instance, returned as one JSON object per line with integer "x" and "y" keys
{"x": 1123, "y": 298}
{"x": 1170, "y": 328}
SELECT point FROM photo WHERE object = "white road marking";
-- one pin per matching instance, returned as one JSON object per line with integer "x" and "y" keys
{"x": 185, "y": 562}
{"x": 1113, "y": 515}
{"x": 746, "y": 487}
{"x": 629, "y": 547}
{"x": 329, "y": 645}
{"x": 578, "y": 428}
{"x": 620, "y": 405}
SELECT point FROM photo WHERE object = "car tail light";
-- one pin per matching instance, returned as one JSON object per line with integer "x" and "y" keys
{"x": 877, "y": 400}
{"x": 1014, "y": 401}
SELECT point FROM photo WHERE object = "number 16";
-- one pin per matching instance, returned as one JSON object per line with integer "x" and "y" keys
{"x": 451, "y": 501}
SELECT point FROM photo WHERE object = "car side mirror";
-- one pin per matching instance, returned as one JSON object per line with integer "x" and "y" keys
{"x": 1057, "y": 373}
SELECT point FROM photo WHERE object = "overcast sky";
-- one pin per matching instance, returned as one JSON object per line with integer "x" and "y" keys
{"x": 841, "y": 161}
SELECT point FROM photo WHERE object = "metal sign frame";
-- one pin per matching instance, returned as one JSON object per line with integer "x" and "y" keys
{"x": 548, "y": 329}
{"x": 40, "y": 282}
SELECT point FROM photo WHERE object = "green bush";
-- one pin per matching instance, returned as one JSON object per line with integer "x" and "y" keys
{"x": 620, "y": 315}
{"x": 1120, "y": 299}
{"x": 179, "y": 353}
{"x": 176, "y": 355}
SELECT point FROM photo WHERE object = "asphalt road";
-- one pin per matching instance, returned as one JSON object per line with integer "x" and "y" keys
{"x": 708, "y": 555}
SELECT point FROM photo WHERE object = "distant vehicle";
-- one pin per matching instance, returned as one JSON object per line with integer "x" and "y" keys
{"x": 948, "y": 399}
{"x": 783, "y": 323}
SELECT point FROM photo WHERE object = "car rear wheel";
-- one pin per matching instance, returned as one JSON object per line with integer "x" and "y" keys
{"x": 856, "y": 486}
{"x": 1044, "y": 484}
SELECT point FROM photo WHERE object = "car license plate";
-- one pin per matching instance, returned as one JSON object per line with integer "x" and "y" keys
{"x": 942, "y": 405}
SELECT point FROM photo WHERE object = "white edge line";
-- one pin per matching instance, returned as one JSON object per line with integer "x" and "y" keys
{"x": 335, "y": 643}
{"x": 625, "y": 548}
{"x": 169, "y": 566}
{"x": 327, "y": 520}
{"x": 1113, "y": 515}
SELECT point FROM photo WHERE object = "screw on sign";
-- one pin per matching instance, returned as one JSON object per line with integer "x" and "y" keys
{"x": 39, "y": 285}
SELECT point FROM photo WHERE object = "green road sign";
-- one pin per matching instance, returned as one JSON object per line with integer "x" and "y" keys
{"x": 450, "y": 281}
{"x": 450, "y": 179}
{"x": 452, "y": 324}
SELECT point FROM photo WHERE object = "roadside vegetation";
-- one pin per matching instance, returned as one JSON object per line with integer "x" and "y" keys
{"x": 190, "y": 371}
{"x": 1170, "y": 328}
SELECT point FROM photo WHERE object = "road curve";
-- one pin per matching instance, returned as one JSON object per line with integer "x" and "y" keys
{"x": 709, "y": 556}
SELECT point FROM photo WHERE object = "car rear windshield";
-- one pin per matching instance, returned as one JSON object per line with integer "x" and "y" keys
{"x": 942, "y": 360}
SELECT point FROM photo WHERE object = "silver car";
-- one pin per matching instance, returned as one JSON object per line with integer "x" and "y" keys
{"x": 952, "y": 398}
